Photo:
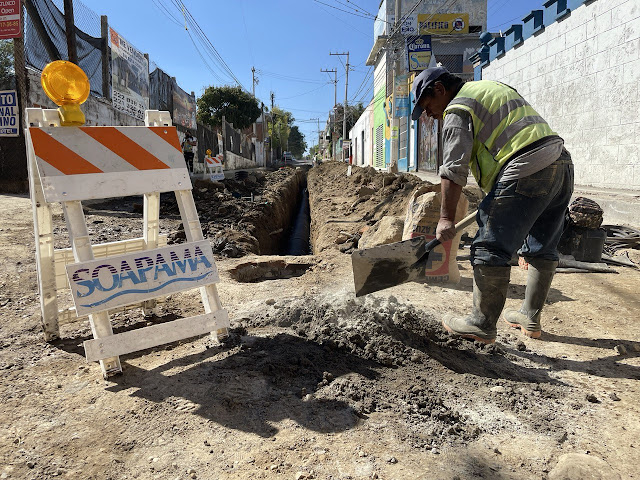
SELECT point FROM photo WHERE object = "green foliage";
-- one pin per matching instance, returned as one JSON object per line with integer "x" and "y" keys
{"x": 280, "y": 128}
{"x": 236, "y": 105}
{"x": 297, "y": 145}
{"x": 353, "y": 114}
{"x": 6, "y": 65}
{"x": 313, "y": 151}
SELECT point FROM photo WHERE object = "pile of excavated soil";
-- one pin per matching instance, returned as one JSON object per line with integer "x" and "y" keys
{"x": 344, "y": 206}
{"x": 378, "y": 339}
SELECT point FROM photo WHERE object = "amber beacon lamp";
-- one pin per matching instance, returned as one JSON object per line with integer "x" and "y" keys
{"x": 67, "y": 86}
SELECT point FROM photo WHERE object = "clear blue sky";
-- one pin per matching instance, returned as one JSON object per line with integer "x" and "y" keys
{"x": 288, "y": 42}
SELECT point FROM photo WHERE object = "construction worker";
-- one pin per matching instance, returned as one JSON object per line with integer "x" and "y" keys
{"x": 187, "y": 150}
{"x": 527, "y": 174}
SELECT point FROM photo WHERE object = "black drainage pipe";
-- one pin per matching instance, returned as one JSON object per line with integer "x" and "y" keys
{"x": 298, "y": 241}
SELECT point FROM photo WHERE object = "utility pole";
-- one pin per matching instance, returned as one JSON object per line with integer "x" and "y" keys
{"x": 104, "y": 49}
{"x": 335, "y": 97}
{"x": 344, "y": 109}
{"x": 17, "y": 144}
{"x": 254, "y": 81}
{"x": 395, "y": 132}
{"x": 273, "y": 128}
{"x": 70, "y": 29}
{"x": 335, "y": 84}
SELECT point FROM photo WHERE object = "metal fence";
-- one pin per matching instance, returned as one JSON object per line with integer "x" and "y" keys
{"x": 45, "y": 39}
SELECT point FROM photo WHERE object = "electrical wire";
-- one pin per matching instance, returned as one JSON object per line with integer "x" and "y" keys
{"x": 281, "y": 76}
{"x": 342, "y": 10}
{"x": 345, "y": 22}
{"x": 191, "y": 21}
{"x": 163, "y": 9}
{"x": 355, "y": 9}
{"x": 306, "y": 93}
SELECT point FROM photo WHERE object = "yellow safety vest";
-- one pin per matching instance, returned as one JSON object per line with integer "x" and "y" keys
{"x": 503, "y": 124}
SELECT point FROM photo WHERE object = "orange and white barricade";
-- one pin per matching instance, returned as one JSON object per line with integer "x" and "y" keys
{"x": 214, "y": 166}
{"x": 69, "y": 164}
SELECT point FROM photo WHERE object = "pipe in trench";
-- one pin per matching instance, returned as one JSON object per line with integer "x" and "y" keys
{"x": 298, "y": 241}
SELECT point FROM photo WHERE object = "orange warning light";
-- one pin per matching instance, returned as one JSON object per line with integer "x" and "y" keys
{"x": 67, "y": 86}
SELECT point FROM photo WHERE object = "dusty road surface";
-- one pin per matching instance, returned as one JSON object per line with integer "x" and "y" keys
{"x": 314, "y": 383}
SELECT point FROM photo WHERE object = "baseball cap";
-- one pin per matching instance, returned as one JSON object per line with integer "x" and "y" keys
{"x": 420, "y": 84}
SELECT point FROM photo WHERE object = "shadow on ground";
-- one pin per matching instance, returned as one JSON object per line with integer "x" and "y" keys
{"x": 266, "y": 380}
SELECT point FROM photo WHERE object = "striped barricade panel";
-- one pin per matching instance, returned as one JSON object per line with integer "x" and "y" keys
{"x": 82, "y": 163}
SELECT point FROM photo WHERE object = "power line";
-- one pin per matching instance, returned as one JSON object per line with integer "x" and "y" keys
{"x": 163, "y": 9}
{"x": 355, "y": 8}
{"x": 345, "y": 22}
{"x": 288, "y": 77}
{"x": 306, "y": 93}
{"x": 342, "y": 10}
{"x": 189, "y": 18}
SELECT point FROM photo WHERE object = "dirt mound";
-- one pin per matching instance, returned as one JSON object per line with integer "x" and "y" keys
{"x": 343, "y": 207}
{"x": 390, "y": 339}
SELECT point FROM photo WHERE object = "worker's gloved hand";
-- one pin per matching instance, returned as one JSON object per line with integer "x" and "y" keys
{"x": 445, "y": 230}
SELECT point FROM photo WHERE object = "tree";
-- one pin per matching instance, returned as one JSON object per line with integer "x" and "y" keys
{"x": 7, "y": 73}
{"x": 353, "y": 114}
{"x": 297, "y": 145}
{"x": 279, "y": 132}
{"x": 236, "y": 105}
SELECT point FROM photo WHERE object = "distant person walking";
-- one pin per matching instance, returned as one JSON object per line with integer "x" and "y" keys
{"x": 187, "y": 149}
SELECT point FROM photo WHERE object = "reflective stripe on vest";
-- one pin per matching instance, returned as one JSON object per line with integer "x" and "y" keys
{"x": 503, "y": 124}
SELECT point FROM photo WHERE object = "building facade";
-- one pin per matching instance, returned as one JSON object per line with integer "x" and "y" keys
{"x": 450, "y": 36}
{"x": 578, "y": 63}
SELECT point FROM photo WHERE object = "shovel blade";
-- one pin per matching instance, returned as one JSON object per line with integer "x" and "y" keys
{"x": 388, "y": 265}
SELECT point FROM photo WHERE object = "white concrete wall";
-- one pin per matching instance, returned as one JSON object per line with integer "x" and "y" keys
{"x": 582, "y": 74}
{"x": 236, "y": 162}
{"x": 363, "y": 125}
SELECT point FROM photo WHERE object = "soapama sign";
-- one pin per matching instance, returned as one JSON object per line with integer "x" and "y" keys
{"x": 106, "y": 283}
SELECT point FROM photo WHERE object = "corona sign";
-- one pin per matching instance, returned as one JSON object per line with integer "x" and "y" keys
{"x": 419, "y": 53}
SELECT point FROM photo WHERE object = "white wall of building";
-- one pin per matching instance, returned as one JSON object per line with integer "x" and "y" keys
{"x": 361, "y": 139}
{"x": 582, "y": 74}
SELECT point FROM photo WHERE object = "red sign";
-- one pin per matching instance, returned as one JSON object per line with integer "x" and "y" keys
{"x": 10, "y": 19}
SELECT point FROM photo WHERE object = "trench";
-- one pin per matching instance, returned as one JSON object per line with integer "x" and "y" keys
{"x": 283, "y": 229}
{"x": 298, "y": 239}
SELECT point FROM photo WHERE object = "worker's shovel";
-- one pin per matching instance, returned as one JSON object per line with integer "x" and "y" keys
{"x": 393, "y": 264}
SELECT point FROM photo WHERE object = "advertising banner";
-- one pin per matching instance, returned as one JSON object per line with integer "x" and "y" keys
{"x": 130, "y": 77}
{"x": 408, "y": 27}
{"x": 443, "y": 24}
{"x": 9, "y": 117}
{"x": 105, "y": 283}
{"x": 402, "y": 106}
{"x": 419, "y": 52}
{"x": 184, "y": 108}
{"x": 10, "y": 19}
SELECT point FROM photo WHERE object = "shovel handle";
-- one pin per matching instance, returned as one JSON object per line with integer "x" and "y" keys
{"x": 462, "y": 224}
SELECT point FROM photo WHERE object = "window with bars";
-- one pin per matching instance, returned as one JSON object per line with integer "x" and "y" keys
{"x": 379, "y": 161}
{"x": 404, "y": 135}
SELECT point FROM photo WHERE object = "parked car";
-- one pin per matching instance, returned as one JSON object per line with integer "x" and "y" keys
{"x": 287, "y": 157}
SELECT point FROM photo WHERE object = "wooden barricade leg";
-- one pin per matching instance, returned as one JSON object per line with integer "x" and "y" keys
{"x": 82, "y": 252}
{"x": 43, "y": 230}
{"x": 151, "y": 233}
{"x": 193, "y": 232}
